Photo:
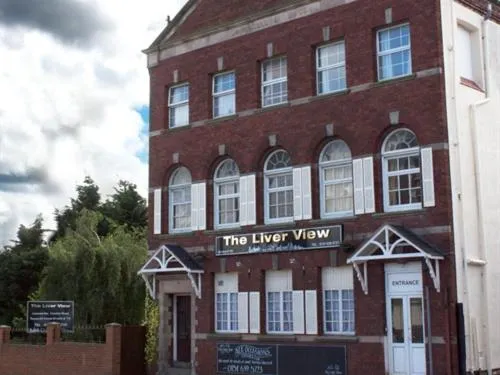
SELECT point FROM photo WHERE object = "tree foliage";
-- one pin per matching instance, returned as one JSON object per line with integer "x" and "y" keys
{"x": 21, "y": 266}
{"x": 124, "y": 207}
{"x": 99, "y": 274}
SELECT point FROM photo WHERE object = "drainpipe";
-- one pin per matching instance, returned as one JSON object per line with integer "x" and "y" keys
{"x": 477, "y": 179}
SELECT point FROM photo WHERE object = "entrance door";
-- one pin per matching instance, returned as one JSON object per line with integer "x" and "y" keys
{"x": 407, "y": 342}
{"x": 183, "y": 329}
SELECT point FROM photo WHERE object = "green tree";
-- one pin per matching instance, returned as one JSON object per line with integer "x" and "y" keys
{"x": 88, "y": 197}
{"x": 98, "y": 273}
{"x": 21, "y": 267}
{"x": 126, "y": 207}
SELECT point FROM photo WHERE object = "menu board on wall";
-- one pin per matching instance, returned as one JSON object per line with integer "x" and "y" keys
{"x": 276, "y": 359}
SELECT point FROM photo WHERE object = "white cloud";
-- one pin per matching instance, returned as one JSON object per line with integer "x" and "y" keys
{"x": 68, "y": 110}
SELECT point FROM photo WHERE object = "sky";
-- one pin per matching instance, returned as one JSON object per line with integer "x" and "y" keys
{"x": 73, "y": 100}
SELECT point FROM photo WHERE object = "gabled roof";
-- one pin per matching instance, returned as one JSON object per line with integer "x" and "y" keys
{"x": 391, "y": 242}
{"x": 171, "y": 259}
{"x": 394, "y": 242}
{"x": 205, "y": 16}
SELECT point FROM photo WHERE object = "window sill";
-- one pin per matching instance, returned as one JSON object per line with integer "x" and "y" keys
{"x": 327, "y": 95}
{"x": 407, "y": 212}
{"x": 274, "y": 106}
{"x": 390, "y": 81}
{"x": 217, "y": 120}
{"x": 175, "y": 234}
{"x": 270, "y": 337}
{"x": 179, "y": 128}
{"x": 284, "y": 225}
{"x": 470, "y": 83}
{"x": 215, "y": 231}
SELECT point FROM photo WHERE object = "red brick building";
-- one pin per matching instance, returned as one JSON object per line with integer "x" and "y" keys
{"x": 300, "y": 189}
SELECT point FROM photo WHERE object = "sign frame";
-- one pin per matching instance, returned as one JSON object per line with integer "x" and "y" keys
{"x": 288, "y": 242}
{"x": 50, "y": 318}
{"x": 281, "y": 353}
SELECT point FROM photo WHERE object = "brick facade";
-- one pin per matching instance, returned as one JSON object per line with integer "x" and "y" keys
{"x": 360, "y": 117}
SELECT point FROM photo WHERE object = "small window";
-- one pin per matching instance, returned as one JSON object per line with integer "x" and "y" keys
{"x": 180, "y": 201}
{"x": 227, "y": 194}
{"x": 226, "y": 302}
{"x": 274, "y": 82}
{"x": 178, "y": 106}
{"x": 468, "y": 56}
{"x": 330, "y": 67}
{"x": 279, "y": 294}
{"x": 224, "y": 95}
{"x": 338, "y": 300}
{"x": 335, "y": 168}
{"x": 401, "y": 168}
{"x": 278, "y": 188}
{"x": 394, "y": 52}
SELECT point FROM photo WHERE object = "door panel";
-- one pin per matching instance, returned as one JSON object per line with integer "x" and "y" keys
{"x": 183, "y": 320}
{"x": 407, "y": 335}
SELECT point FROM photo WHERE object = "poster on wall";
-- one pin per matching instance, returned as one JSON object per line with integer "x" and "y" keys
{"x": 276, "y": 241}
{"x": 276, "y": 359}
{"x": 40, "y": 313}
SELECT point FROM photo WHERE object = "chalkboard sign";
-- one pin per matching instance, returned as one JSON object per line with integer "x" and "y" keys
{"x": 276, "y": 359}
{"x": 40, "y": 313}
{"x": 312, "y": 360}
{"x": 246, "y": 359}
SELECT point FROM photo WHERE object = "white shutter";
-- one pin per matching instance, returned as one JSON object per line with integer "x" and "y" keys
{"x": 243, "y": 201}
{"x": 243, "y": 312}
{"x": 427, "y": 177}
{"x": 297, "y": 193}
{"x": 157, "y": 211}
{"x": 368, "y": 186}
{"x": 298, "y": 311}
{"x": 194, "y": 206}
{"x": 306, "y": 193}
{"x": 254, "y": 303}
{"x": 202, "y": 216}
{"x": 311, "y": 313}
{"x": 357, "y": 173}
{"x": 251, "y": 206}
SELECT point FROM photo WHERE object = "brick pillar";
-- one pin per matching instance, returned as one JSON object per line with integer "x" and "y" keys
{"x": 4, "y": 335}
{"x": 53, "y": 333}
{"x": 113, "y": 346}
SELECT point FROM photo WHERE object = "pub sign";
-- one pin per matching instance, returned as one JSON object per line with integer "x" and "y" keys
{"x": 278, "y": 241}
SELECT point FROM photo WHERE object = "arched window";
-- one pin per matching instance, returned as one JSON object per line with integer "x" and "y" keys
{"x": 401, "y": 171}
{"x": 278, "y": 187}
{"x": 227, "y": 194}
{"x": 180, "y": 200}
{"x": 335, "y": 169}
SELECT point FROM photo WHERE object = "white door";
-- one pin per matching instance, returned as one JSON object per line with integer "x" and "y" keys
{"x": 406, "y": 335}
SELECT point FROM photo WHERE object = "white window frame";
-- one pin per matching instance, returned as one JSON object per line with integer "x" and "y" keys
{"x": 287, "y": 171}
{"x": 177, "y": 105}
{"x": 341, "y": 281}
{"x": 219, "y": 181}
{"x": 389, "y": 155}
{"x": 227, "y": 93}
{"x": 340, "y": 65}
{"x": 230, "y": 293}
{"x": 323, "y": 165}
{"x": 171, "y": 189}
{"x": 270, "y": 82}
{"x": 392, "y": 51}
{"x": 282, "y": 289}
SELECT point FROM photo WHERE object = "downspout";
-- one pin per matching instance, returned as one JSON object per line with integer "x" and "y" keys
{"x": 477, "y": 179}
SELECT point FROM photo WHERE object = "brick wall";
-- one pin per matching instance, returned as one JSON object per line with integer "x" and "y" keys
{"x": 62, "y": 358}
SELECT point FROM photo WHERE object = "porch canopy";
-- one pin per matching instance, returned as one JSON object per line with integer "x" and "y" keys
{"x": 394, "y": 242}
{"x": 171, "y": 259}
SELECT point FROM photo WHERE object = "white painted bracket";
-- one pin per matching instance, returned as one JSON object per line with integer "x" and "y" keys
{"x": 362, "y": 276}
